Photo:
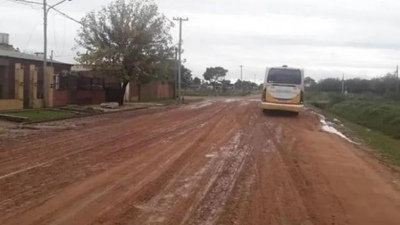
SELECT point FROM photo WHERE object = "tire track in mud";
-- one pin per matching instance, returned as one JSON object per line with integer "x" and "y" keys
{"x": 143, "y": 212}
{"x": 310, "y": 190}
{"x": 69, "y": 166}
{"x": 75, "y": 139}
{"x": 92, "y": 144}
{"x": 218, "y": 163}
{"x": 125, "y": 194}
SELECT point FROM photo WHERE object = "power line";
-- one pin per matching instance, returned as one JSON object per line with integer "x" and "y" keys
{"x": 66, "y": 16}
{"x": 63, "y": 46}
{"x": 26, "y": 2}
{"x": 54, "y": 31}
{"x": 30, "y": 37}
{"x": 22, "y": 3}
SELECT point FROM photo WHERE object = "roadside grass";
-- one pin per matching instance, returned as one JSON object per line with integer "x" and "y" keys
{"x": 41, "y": 115}
{"x": 380, "y": 116}
{"x": 312, "y": 96}
{"x": 372, "y": 120}
{"x": 385, "y": 146}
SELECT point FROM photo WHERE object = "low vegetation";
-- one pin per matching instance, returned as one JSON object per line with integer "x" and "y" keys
{"x": 374, "y": 113}
{"x": 380, "y": 116}
{"x": 387, "y": 147}
{"x": 41, "y": 115}
{"x": 369, "y": 107}
{"x": 375, "y": 120}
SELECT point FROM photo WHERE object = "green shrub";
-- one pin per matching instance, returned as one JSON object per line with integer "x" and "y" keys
{"x": 337, "y": 98}
{"x": 380, "y": 116}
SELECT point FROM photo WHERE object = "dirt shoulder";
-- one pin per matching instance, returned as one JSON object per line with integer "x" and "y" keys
{"x": 220, "y": 161}
{"x": 11, "y": 132}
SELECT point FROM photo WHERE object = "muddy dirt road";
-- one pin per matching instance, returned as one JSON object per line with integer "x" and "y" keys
{"x": 215, "y": 162}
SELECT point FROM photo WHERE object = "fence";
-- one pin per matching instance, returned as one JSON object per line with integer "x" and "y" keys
{"x": 73, "y": 88}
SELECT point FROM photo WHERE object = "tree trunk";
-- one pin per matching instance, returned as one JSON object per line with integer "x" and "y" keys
{"x": 174, "y": 91}
{"x": 139, "y": 97}
{"x": 122, "y": 94}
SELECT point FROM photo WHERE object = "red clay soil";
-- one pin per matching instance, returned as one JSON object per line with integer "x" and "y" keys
{"x": 216, "y": 162}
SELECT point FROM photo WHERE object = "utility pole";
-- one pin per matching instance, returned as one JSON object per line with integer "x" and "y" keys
{"x": 180, "y": 19}
{"x": 176, "y": 74}
{"x": 241, "y": 77}
{"x": 44, "y": 50}
{"x": 46, "y": 10}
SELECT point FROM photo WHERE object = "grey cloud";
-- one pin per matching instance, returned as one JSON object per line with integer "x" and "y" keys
{"x": 325, "y": 37}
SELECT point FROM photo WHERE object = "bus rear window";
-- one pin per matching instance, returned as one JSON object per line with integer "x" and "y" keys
{"x": 284, "y": 76}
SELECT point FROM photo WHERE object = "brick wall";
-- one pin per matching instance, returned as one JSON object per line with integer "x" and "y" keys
{"x": 90, "y": 97}
{"x": 152, "y": 91}
{"x": 83, "y": 97}
{"x": 60, "y": 98}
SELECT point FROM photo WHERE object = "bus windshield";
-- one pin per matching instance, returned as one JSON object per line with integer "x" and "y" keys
{"x": 284, "y": 76}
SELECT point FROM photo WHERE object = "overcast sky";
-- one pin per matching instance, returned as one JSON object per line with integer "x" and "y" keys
{"x": 360, "y": 38}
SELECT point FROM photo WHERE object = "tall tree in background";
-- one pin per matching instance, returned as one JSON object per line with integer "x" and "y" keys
{"x": 196, "y": 81}
{"x": 186, "y": 77}
{"x": 226, "y": 84}
{"x": 309, "y": 82}
{"x": 215, "y": 75}
{"x": 128, "y": 40}
{"x": 330, "y": 85}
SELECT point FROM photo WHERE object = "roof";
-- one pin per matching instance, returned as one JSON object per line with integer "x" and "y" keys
{"x": 284, "y": 67}
{"x": 20, "y": 55}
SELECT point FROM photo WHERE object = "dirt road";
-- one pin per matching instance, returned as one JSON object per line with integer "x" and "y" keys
{"x": 215, "y": 162}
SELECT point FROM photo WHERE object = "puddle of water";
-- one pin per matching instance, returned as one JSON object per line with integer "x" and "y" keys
{"x": 327, "y": 127}
{"x": 200, "y": 105}
{"x": 230, "y": 100}
{"x": 210, "y": 155}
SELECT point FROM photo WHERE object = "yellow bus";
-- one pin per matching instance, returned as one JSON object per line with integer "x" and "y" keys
{"x": 283, "y": 90}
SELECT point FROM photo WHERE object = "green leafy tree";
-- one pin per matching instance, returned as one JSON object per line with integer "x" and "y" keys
{"x": 186, "y": 77}
{"x": 215, "y": 75}
{"x": 129, "y": 40}
{"x": 330, "y": 85}
{"x": 238, "y": 84}
{"x": 226, "y": 84}
{"x": 309, "y": 82}
{"x": 196, "y": 81}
